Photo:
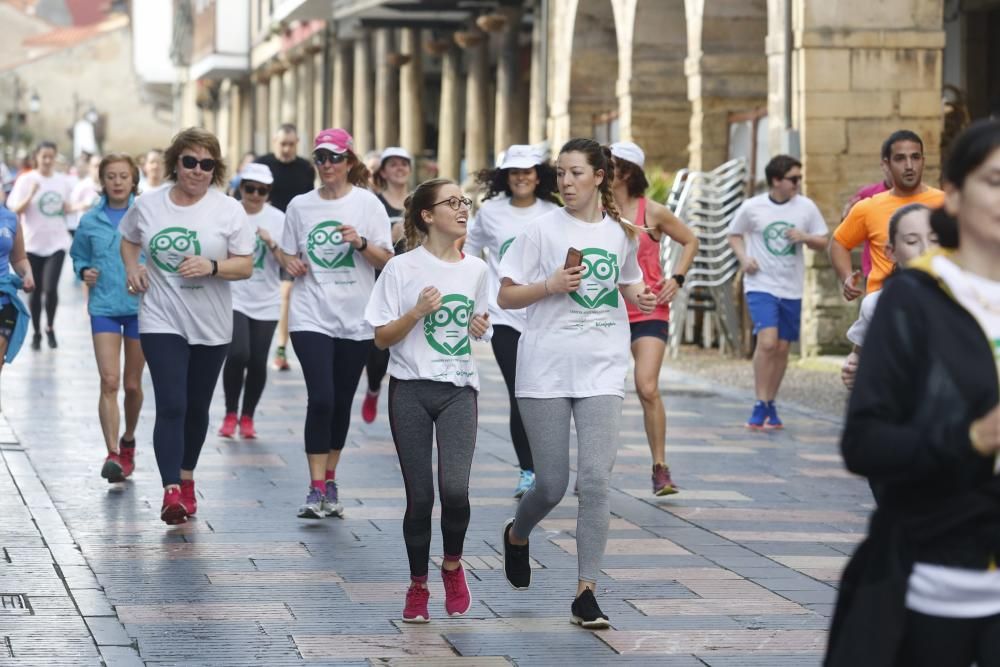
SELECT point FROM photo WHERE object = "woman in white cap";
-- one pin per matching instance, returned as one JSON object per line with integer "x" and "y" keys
{"x": 392, "y": 180}
{"x": 256, "y": 305}
{"x": 650, "y": 330}
{"x": 335, "y": 237}
{"x": 522, "y": 188}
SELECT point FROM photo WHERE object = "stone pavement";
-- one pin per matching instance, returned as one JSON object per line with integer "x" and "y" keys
{"x": 736, "y": 570}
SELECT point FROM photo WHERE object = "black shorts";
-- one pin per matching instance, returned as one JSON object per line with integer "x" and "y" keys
{"x": 8, "y": 318}
{"x": 655, "y": 328}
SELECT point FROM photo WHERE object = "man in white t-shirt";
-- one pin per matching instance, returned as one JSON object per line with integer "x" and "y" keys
{"x": 766, "y": 234}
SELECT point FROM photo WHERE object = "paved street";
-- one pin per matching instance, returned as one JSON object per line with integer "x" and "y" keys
{"x": 736, "y": 570}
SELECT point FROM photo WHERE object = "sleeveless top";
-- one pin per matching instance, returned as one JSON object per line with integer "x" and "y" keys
{"x": 652, "y": 271}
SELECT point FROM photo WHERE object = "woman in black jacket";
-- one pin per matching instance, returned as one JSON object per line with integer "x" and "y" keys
{"x": 923, "y": 425}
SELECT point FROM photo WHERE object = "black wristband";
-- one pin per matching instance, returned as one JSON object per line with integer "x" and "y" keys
{"x": 215, "y": 267}
{"x": 679, "y": 279}
{"x": 364, "y": 244}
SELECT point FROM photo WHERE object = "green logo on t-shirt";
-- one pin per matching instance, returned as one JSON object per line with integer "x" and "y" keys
{"x": 171, "y": 246}
{"x": 259, "y": 253}
{"x": 775, "y": 240}
{"x": 447, "y": 328}
{"x": 51, "y": 204}
{"x": 326, "y": 247}
{"x": 599, "y": 284}
{"x": 505, "y": 247}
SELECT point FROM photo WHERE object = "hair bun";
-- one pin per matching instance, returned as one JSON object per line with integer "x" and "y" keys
{"x": 946, "y": 228}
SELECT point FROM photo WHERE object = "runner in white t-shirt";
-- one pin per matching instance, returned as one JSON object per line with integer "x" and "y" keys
{"x": 256, "y": 306}
{"x": 427, "y": 305}
{"x": 195, "y": 239}
{"x": 521, "y": 189}
{"x": 334, "y": 239}
{"x": 572, "y": 357}
{"x": 41, "y": 198}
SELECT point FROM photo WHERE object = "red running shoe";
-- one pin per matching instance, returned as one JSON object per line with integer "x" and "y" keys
{"x": 188, "y": 499}
{"x": 126, "y": 456}
{"x": 113, "y": 470}
{"x": 415, "y": 610}
{"x": 457, "y": 597}
{"x": 247, "y": 431}
{"x": 173, "y": 512}
{"x": 369, "y": 408}
{"x": 228, "y": 428}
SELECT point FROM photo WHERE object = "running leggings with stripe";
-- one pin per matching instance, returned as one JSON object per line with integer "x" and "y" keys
{"x": 46, "y": 272}
{"x": 418, "y": 408}
{"x": 332, "y": 369}
{"x": 597, "y": 420}
{"x": 184, "y": 378}
{"x": 246, "y": 365}
{"x": 504, "y": 343}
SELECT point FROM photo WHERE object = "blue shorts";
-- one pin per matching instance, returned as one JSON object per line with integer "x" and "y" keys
{"x": 127, "y": 326}
{"x": 767, "y": 310}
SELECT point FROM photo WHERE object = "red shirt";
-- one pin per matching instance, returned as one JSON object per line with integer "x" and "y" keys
{"x": 652, "y": 271}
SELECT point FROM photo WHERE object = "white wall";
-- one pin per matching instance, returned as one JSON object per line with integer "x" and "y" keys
{"x": 152, "y": 27}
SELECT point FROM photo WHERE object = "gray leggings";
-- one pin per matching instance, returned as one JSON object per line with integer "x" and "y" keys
{"x": 597, "y": 420}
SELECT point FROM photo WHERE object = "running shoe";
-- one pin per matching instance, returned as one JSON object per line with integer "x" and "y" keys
{"x": 586, "y": 613}
{"x": 188, "y": 499}
{"x": 415, "y": 610}
{"x": 247, "y": 431}
{"x": 172, "y": 512}
{"x": 113, "y": 470}
{"x": 662, "y": 484}
{"x": 773, "y": 421}
{"x": 280, "y": 362}
{"x": 126, "y": 457}
{"x": 756, "y": 421}
{"x": 36, "y": 341}
{"x": 457, "y": 596}
{"x": 314, "y": 506}
{"x": 526, "y": 481}
{"x": 331, "y": 501}
{"x": 369, "y": 408}
{"x": 51, "y": 336}
{"x": 516, "y": 561}
{"x": 228, "y": 428}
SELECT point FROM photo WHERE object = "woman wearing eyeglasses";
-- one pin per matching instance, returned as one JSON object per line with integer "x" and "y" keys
{"x": 256, "y": 305}
{"x": 195, "y": 239}
{"x": 334, "y": 239}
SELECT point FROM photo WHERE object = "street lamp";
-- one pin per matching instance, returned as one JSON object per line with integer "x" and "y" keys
{"x": 34, "y": 102}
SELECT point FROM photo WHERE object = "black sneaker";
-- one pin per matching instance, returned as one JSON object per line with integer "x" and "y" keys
{"x": 51, "y": 335}
{"x": 516, "y": 565}
{"x": 586, "y": 613}
{"x": 36, "y": 341}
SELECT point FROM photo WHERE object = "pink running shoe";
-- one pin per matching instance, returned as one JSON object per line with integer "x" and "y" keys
{"x": 228, "y": 428}
{"x": 172, "y": 512}
{"x": 457, "y": 597}
{"x": 369, "y": 408}
{"x": 188, "y": 499}
{"x": 415, "y": 610}
{"x": 247, "y": 431}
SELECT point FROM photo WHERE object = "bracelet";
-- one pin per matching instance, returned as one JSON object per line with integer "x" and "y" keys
{"x": 546, "y": 283}
{"x": 364, "y": 244}
{"x": 215, "y": 267}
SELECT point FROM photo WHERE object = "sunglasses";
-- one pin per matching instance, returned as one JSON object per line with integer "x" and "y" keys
{"x": 261, "y": 190}
{"x": 190, "y": 162}
{"x": 794, "y": 179}
{"x": 332, "y": 158}
{"x": 455, "y": 203}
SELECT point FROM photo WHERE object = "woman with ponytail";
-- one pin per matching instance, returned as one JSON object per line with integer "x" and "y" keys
{"x": 924, "y": 416}
{"x": 335, "y": 237}
{"x": 572, "y": 269}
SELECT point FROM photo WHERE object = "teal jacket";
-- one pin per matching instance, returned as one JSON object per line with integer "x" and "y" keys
{"x": 9, "y": 285}
{"x": 97, "y": 245}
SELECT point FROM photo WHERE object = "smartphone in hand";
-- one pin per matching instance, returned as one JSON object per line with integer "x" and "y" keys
{"x": 574, "y": 258}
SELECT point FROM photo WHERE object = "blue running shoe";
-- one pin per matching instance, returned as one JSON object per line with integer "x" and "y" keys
{"x": 757, "y": 417}
{"x": 526, "y": 481}
{"x": 773, "y": 421}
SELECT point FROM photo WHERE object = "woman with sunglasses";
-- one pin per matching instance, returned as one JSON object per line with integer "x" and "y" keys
{"x": 256, "y": 305}
{"x": 335, "y": 237}
{"x": 195, "y": 239}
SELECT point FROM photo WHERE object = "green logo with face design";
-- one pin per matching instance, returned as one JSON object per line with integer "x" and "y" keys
{"x": 505, "y": 247}
{"x": 259, "y": 253}
{"x": 775, "y": 240}
{"x": 169, "y": 247}
{"x": 447, "y": 328}
{"x": 51, "y": 204}
{"x": 326, "y": 246}
{"x": 599, "y": 280}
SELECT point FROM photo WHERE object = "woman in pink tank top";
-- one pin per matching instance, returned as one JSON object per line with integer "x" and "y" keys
{"x": 649, "y": 331}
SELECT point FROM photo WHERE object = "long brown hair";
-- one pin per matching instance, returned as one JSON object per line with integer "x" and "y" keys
{"x": 418, "y": 201}
{"x": 599, "y": 158}
{"x": 358, "y": 175}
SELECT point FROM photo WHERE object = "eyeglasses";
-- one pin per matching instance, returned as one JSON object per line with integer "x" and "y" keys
{"x": 454, "y": 203}
{"x": 261, "y": 190}
{"x": 332, "y": 158}
{"x": 794, "y": 179}
{"x": 190, "y": 162}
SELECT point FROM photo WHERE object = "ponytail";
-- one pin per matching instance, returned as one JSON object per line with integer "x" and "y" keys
{"x": 358, "y": 175}
{"x": 946, "y": 228}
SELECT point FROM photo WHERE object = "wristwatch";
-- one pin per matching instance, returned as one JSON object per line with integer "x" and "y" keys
{"x": 364, "y": 244}
{"x": 679, "y": 279}
{"x": 215, "y": 267}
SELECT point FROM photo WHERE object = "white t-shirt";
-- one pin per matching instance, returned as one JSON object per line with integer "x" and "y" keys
{"x": 763, "y": 224}
{"x": 259, "y": 297}
{"x": 493, "y": 229}
{"x": 331, "y": 298}
{"x": 573, "y": 345}
{"x": 43, "y": 221}
{"x": 857, "y": 332}
{"x": 86, "y": 191}
{"x": 939, "y": 590}
{"x": 198, "y": 309}
{"x": 439, "y": 347}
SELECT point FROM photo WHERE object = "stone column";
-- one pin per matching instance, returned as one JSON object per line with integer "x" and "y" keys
{"x": 386, "y": 90}
{"x": 449, "y": 119}
{"x": 477, "y": 108}
{"x": 275, "y": 92}
{"x": 538, "y": 100}
{"x": 363, "y": 118}
{"x": 246, "y": 126}
{"x": 411, "y": 88}
{"x": 304, "y": 95}
{"x": 262, "y": 126}
{"x": 509, "y": 102}
{"x": 290, "y": 94}
{"x": 342, "y": 87}
{"x": 316, "y": 63}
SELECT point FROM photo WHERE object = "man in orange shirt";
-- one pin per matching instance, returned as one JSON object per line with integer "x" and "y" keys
{"x": 868, "y": 220}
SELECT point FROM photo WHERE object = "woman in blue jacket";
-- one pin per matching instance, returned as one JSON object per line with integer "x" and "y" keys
{"x": 114, "y": 312}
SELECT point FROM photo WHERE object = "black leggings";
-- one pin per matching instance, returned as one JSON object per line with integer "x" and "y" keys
{"x": 933, "y": 641}
{"x": 505, "y": 350}
{"x": 184, "y": 378}
{"x": 332, "y": 369}
{"x": 377, "y": 365}
{"x": 46, "y": 271}
{"x": 246, "y": 365}
{"x": 419, "y": 410}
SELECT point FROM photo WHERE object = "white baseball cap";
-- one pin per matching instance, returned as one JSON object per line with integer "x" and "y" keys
{"x": 257, "y": 172}
{"x": 626, "y": 150}
{"x": 521, "y": 156}
{"x": 395, "y": 151}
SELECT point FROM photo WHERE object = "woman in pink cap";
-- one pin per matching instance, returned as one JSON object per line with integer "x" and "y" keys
{"x": 334, "y": 239}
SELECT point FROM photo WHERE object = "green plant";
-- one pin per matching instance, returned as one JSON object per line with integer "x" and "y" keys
{"x": 660, "y": 182}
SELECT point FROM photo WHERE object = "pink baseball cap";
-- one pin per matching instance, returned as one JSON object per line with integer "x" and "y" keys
{"x": 334, "y": 140}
